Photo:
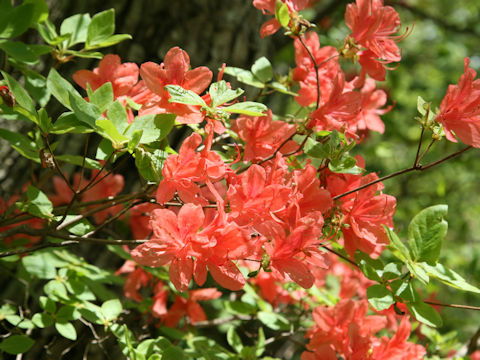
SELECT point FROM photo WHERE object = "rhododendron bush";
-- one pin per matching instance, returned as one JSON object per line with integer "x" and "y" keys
{"x": 260, "y": 228}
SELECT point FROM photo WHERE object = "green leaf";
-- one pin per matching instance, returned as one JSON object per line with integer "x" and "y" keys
{"x": 69, "y": 123}
{"x": 79, "y": 228}
{"x": 418, "y": 272}
{"x": 380, "y": 297}
{"x": 449, "y": 277}
{"x": 111, "y": 309}
{"x": 47, "y": 304}
{"x": 346, "y": 165}
{"x": 260, "y": 346}
{"x": 84, "y": 111}
{"x": 281, "y": 13}
{"x": 234, "y": 340}
{"x": 220, "y": 93}
{"x": 425, "y": 314}
{"x": 36, "y": 86}
{"x": 155, "y": 127}
{"x": 40, "y": 13}
{"x": 21, "y": 96}
{"x": 22, "y": 144}
{"x": 111, "y": 40}
{"x": 183, "y": 96}
{"x": 273, "y": 320}
{"x": 403, "y": 253}
{"x": 103, "y": 98}
{"x": 150, "y": 164}
{"x": 42, "y": 320}
{"x": 56, "y": 290}
{"x": 85, "y": 54}
{"x": 78, "y": 160}
{"x": 108, "y": 130}
{"x": 262, "y": 69}
{"x": 281, "y": 88}
{"x": 39, "y": 265}
{"x": 76, "y": 26}
{"x": 19, "y": 51}
{"x": 67, "y": 313}
{"x": 426, "y": 232}
{"x": 118, "y": 116}
{"x": 421, "y": 105}
{"x": 61, "y": 89}
{"x": 244, "y": 76}
{"x": 316, "y": 149}
{"x": 39, "y": 205}
{"x": 173, "y": 353}
{"x": 16, "y": 344}
{"x": 100, "y": 28}
{"x": 16, "y": 21}
{"x": 104, "y": 150}
{"x": 247, "y": 108}
{"x": 45, "y": 122}
{"x": 135, "y": 140}
{"x": 67, "y": 330}
{"x": 371, "y": 268}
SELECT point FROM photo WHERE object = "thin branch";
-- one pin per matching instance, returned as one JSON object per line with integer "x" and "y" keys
{"x": 315, "y": 65}
{"x": 57, "y": 167}
{"x": 417, "y": 167}
{"x": 346, "y": 258}
{"x": 456, "y": 306}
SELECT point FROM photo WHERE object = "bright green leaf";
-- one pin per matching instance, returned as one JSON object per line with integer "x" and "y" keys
{"x": 67, "y": 330}
{"x": 281, "y": 13}
{"x": 220, "y": 93}
{"x": 155, "y": 127}
{"x": 449, "y": 277}
{"x": 61, "y": 89}
{"x": 183, "y": 96}
{"x": 111, "y": 309}
{"x": 103, "y": 98}
{"x": 426, "y": 232}
{"x": 21, "y": 143}
{"x": 247, "y": 108}
{"x": 101, "y": 27}
{"x": 234, "y": 340}
{"x": 38, "y": 265}
{"x": 16, "y": 21}
{"x": 244, "y": 76}
{"x": 76, "y": 26}
{"x": 262, "y": 69}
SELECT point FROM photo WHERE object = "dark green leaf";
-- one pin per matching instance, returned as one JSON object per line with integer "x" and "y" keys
{"x": 380, "y": 297}
{"x": 111, "y": 40}
{"x": 16, "y": 344}
{"x": 425, "y": 314}
{"x": 22, "y": 144}
{"x": 16, "y": 21}
{"x": 173, "y": 353}
{"x": 426, "y": 232}
{"x": 19, "y": 51}
{"x": 273, "y": 320}
{"x": 40, "y": 13}
{"x": 47, "y": 304}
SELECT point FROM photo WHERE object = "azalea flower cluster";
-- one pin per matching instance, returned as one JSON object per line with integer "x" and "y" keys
{"x": 257, "y": 209}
